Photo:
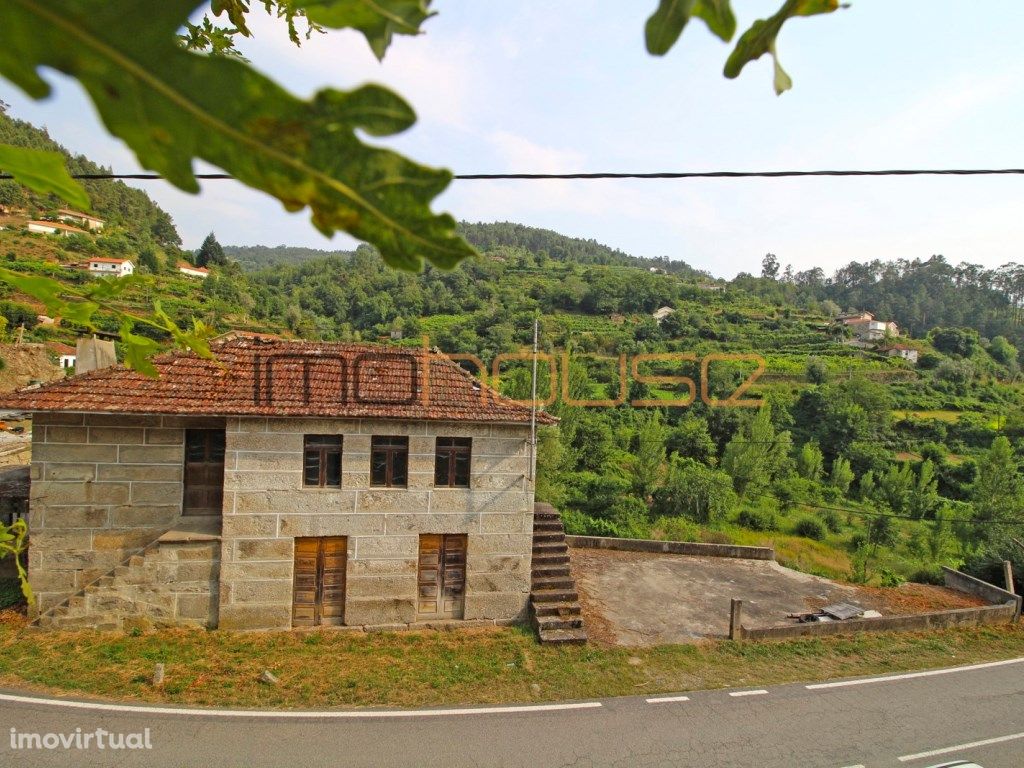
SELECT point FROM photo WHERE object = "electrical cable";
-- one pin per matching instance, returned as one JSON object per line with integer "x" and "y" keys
{"x": 632, "y": 175}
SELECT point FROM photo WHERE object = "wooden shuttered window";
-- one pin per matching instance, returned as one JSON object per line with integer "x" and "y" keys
{"x": 318, "y": 587}
{"x": 321, "y": 459}
{"x": 452, "y": 457}
{"x": 204, "y": 472}
{"x": 441, "y": 579}
{"x": 389, "y": 461}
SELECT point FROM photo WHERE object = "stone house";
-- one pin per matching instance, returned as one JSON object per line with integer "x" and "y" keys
{"x": 282, "y": 484}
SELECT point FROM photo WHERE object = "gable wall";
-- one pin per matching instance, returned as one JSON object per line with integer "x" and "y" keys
{"x": 103, "y": 487}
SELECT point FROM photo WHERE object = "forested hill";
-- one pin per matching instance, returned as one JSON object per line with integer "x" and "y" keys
{"x": 487, "y": 238}
{"x": 256, "y": 257}
{"x": 142, "y": 220}
{"x": 547, "y": 243}
{"x": 921, "y": 294}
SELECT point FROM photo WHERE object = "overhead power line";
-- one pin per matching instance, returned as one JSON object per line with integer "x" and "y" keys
{"x": 631, "y": 175}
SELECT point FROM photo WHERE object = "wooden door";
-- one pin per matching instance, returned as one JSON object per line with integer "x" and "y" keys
{"x": 442, "y": 576}
{"x": 204, "y": 472}
{"x": 318, "y": 583}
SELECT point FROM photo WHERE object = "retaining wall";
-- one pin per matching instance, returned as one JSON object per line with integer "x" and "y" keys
{"x": 1006, "y": 608}
{"x": 989, "y": 614}
{"x": 671, "y": 547}
{"x": 975, "y": 586}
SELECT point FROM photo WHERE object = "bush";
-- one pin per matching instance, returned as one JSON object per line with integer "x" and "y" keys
{"x": 757, "y": 520}
{"x": 889, "y": 578}
{"x": 831, "y": 520}
{"x": 579, "y": 524}
{"x": 676, "y": 529}
{"x": 809, "y": 528}
{"x": 928, "y": 574}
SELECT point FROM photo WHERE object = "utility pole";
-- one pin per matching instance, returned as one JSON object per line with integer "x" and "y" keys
{"x": 533, "y": 405}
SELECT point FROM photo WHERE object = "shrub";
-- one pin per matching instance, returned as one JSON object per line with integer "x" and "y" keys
{"x": 717, "y": 537}
{"x": 831, "y": 520}
{"x": 757, "y": 520}
{"x": 809, "y": 528}
{"x": 676, "y": 529}
{"x": 889, "y": 578}
{"x": 928, "y": 574}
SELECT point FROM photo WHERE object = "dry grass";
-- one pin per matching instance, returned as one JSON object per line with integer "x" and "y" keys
{"x": 820, "y": 558}
{"x": 347, "y": 669}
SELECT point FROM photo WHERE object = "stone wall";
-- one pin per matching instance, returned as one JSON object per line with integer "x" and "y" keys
{"x": 103, "y": 487}
{"x": 266, "y": 506}
{"x": 698, "y": 549}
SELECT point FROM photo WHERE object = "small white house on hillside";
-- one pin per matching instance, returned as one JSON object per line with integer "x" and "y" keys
{"x": 193, "y": 271}
{"x": 90, "y": 222}
{"x": 54, "y": 228}
{"x": 66, "y": 355}
{"x": 103, "y": 265}
{"x": 903, "y": 351}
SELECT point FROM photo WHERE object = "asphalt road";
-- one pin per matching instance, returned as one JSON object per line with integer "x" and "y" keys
{"x": 917, "y": 720}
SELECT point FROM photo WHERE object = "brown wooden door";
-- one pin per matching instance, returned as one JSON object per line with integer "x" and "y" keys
{"x": 318, "y": 585}
{"x": 442, "y": 575}
{"x": 204, "y": 472}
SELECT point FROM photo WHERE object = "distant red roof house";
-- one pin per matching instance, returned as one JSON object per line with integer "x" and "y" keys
{"x": 253, "y": 377}
{"x": 105, "y": 265}
{"x": 53, "y": 228}
{"x": 84, "y": 219}
{"x": 66, "y": 354}
{"x": 191, "y": 270}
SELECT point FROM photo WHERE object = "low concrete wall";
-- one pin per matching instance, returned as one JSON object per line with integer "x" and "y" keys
{"x": 671, "y": 547}
{"x": 989, "y": 614}
{"x": 974, "y": 586}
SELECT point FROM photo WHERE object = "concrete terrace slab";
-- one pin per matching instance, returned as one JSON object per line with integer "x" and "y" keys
{"x": 637, "y": 599}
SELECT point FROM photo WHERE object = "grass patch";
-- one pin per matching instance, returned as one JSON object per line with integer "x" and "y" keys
{"x": 820, "y": 558}
{"x": 347, "y": 669}
{"x": 947, "y": 416}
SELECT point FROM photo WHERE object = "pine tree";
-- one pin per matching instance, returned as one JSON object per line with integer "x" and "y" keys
{"x": 210, "y": 253}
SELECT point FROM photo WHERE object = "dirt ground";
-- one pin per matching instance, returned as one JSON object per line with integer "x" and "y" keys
{"x": 638, "y": 599}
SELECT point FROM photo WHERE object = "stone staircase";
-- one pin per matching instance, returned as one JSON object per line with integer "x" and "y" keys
{"x": 554, "y": 601}
{"x": 172, "y": 582}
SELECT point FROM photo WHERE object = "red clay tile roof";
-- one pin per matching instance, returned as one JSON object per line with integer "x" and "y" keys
{"x": 257, "y": 377}
{"x": 107, "y": 260}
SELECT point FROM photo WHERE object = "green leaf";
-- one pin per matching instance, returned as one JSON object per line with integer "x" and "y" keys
{"x": 666, "y": 24}
{"x": 718, "y": 15}
{"x": 44, "y": 289}
{"x": 137, "y": 350}
{"x": 44, "y": 172}
{"x": 79, "y": 312}
{"x": 760, "y": 39}
{"x": 378, "y": 20}
{"x": 173, "y": 107}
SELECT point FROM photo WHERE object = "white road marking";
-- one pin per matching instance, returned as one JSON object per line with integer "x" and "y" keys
{"x": 759, "y": 692}
{"x": 961, "y": 747}
{"x": 912, "y": 675}
{"x": 329, "y": 714}
{"x": 667, "y": 699}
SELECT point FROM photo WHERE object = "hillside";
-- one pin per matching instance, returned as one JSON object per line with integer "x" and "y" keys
{"x": 141, "y": 221}
{"x": 255, "y": 257}
{"x": 858, "y": 464}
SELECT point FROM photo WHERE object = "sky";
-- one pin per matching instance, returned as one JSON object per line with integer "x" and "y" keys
{"x": 568, "y": 87}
